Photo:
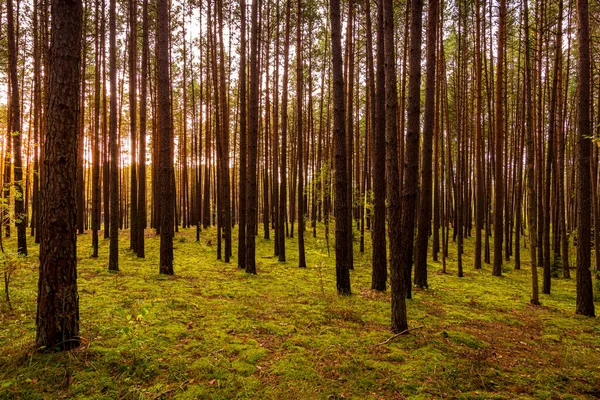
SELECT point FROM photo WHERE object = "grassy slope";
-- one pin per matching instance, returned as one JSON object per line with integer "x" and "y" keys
{"x": 215, "y": 332}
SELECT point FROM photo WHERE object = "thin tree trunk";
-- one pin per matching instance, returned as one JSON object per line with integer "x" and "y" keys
{"x": 15, "y": 134}
{"x": 165, "y": 159}
{"x": 498, "y": 172}
{"x": 300, "y": 134}
{"x": 113, "y": 262}
{"x": 243, "y": 146}
{"x": 253, "y": 117}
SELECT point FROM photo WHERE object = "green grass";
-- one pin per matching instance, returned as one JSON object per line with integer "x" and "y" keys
{"x": 214, "y": 332}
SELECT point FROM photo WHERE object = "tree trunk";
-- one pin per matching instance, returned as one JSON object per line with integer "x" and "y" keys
{"x": 400, "y": 223}
{"x": 141, "y": 208}
{"x": 411, "y": 172}
{"x": 379, "y": 275}
{"x": 133, "y": 124}
{"x": 243, "y": 146}
{"x": 498, "y": 172}
{"x": 113, "y": 262}
{"x": 284, "y": 134}
{"x": 57, "y": 317}
{"x": 165, "y": 159}
{"x": 585, "y": 295}
{"x": 96, "y": 142}
{"x": 424, "y": 218}
{"x": 253, "y": 117}
{"x": 15, "y": 133}
{"x": 342, "y": 211}
{"x": 300, "y": 137}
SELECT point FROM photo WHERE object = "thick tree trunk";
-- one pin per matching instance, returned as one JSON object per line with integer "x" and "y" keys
{"x": 424, "y": 218}
{"x": 57, "y": 317}
{"x": 400, "y": 223}
{"x": 341, "y": 209}
{"x": 411, "y": 172}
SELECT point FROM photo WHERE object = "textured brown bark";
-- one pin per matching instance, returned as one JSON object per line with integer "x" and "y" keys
{"x": 530, "y": 172}
{"x": 165, "y": 158}
{"x": 560, "y": 174}
{"x": 479, "y": 149}
{"x": 550, "y": 157}
{"x": 424, "y": 218}
{"x": 105, "y": 139}
{"x": 585, "y": 295}
{"x": 225, "y": 207}
{"x": 243, "y": 146}
{"x": 15, "y": 133}
{"x": 113, "y": 262}
{"x": 80, "y": 137}
{"x": 141, "y": 208}
{"x": 57, "y": 317}
{"x": 300, "y": 137}
{"x": 460, "y": 138}
{"x": 379, "y": 259}
{"x": 253, "y": 116}
{"x": 284, "y": 134}
{"x": 206, "y": 212}
{"x": 275, "y": 147}
{"x": 37, "y": 117}
{"x": 400, "y": 223}
{"x": 349, "y": 114}
{"x": 341, "y": 209}
{"x": 411, "y": 171}
{"x": 498, "y": 144}
{"x": 96, "y": 140}
{"x": 133, "y": 189}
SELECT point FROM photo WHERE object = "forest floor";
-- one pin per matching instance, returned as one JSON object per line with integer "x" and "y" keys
{"x": 215, "y": 332}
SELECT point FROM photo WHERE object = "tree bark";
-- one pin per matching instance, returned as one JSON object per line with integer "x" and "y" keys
{"x": 165, "y": 160}
{"x": 113, "y": 262}
{"x": 15, "y": 134}
{"x": 424, "y": 218}
{"x": 585, "y": 295}
{"x": 57, "y": 317}
{"x": 400, "y": 223}
{"x": 341, "y": 209}
{"x": 253, "y": 117}
{"x": 498, "y": 172}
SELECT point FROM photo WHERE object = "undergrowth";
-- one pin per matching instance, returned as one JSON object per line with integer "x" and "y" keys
{"x": 213, "y": 331}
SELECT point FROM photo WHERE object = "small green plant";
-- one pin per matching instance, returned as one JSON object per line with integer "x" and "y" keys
{"x": 131, "y": 330}
{"x": 9, "y": 264}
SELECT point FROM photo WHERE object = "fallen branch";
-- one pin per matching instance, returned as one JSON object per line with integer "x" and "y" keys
{"x": 398, "y": 334}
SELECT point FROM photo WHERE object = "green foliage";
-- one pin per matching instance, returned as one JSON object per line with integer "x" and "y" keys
{"x": 10, "y": 264}
{"x": 212, "y": 331}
